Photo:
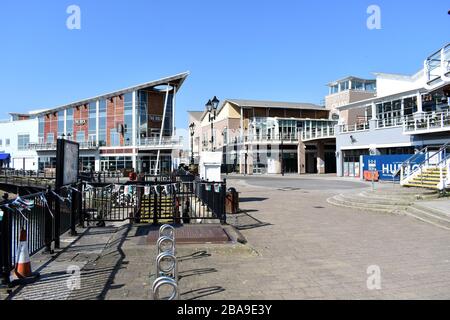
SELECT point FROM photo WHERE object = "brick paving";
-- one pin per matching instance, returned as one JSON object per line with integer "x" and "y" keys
{"x": 299, "y": 247}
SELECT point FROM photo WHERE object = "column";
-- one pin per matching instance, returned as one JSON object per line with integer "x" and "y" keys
{"x": 373, "y": 122}
{"x": 301, "y": 154}
{"x": 133, "y": 110}
{"x": 97, "y": 123}
{"x": 320, "y": 157}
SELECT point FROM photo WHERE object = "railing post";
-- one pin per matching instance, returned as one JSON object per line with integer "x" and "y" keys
{"x": 57, "y": 224}
{"x": 73, "y": 213}
{"x": 223, "y": 194}
{"x": 48, "y": 222}
{"x": 5, "y": 246}
{"x": 155, "y": 204}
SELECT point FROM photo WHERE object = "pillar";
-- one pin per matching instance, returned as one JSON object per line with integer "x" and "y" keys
{"x": 320, "y": 157}
{"x": 301, "y": 154}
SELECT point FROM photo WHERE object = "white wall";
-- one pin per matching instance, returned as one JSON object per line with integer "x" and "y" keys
{"x": 392, "y": 84}
{"x": 10, "y": 130}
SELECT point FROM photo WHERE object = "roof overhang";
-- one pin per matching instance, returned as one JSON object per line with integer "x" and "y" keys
{"x": 176, "y": 80}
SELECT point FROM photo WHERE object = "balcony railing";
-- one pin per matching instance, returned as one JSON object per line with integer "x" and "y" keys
{"x": 89, "y": 145}
{"x": 318, "y": 133}
{"x": 428, "y": 123}
{"x": 353, "y": 127}
{"x": 390, "y": 122}
{"x": 156, "y": 142}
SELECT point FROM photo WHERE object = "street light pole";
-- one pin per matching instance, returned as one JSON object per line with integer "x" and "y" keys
{"x": 192, "y": 128}
{"x": 211, "y": 107}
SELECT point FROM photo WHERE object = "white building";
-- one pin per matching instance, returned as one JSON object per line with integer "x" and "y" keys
{"x": 15, "y": 136}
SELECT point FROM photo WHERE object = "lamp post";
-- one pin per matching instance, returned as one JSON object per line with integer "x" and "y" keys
{"x": 211, "y": 107}
{"x": 192, "y": 130}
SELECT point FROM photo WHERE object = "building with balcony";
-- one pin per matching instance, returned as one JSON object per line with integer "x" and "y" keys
{"x": 132, "y": 128}
{"x": 406, "y": 114}
{"x": 258, "y": 137}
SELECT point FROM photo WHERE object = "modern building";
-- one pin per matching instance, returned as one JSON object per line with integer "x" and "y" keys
{"x": 258, "y": 137}
{"x": 132, "y": 128}
{"x": 399, "y": 114}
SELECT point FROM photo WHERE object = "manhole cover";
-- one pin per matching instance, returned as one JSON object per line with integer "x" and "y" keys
{"x": 194, "y": 234}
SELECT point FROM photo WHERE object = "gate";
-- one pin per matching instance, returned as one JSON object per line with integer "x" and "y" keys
{"x": 155, "y": 202}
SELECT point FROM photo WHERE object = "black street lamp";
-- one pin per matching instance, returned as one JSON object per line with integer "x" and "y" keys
{"x": 211, "y": 107}
{"x": 192, "y": 130}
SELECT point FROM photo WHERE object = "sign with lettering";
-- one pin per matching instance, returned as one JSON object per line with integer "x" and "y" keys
{"x": 388, "y": 165}
{"x": 80, "y": 122}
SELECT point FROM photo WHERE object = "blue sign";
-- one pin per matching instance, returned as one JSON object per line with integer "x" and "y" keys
{"x": 389, "y": 165}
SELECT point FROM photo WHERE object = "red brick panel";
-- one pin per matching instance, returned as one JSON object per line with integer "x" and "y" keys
{"x": 114, "y": 117}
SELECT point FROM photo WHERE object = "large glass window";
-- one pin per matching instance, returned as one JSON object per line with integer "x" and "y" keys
{"x": 357, "y": 85}
{"x": 102, "y": 123}
{"x": 69, "y": 122}
{"x": 142, "y": 115}
{"x": 80, "y": 138}
{"x": 114, "y": 138}
{"x": 344, "y": 85}
{"x": 41, "y": 125}
{"x": 92, "y": 121}
{"x": 128, "y": 118}
{"x": 22, "y": 141}
{"x": 60, "y": 123}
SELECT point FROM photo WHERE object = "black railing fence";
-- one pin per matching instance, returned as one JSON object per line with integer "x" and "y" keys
{"x": 175, "y": 201}
{"x": 178, "y": 198}
{"x": 44, "y": 216}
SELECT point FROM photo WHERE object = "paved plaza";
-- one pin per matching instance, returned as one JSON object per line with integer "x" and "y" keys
{"x": 298, "y": 247}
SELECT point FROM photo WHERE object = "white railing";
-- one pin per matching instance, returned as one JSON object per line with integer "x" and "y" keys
{"x": 438, "y": 159}
{"x": 437, "y": 67}
{"x": 318, "y": 133}
{"x": 344, "y": 128}
{"x": 427, "y": 123}
{"x": 390, "y": 122}
{"x": 156, "y": 142}
{"x": 87, "y": 145}
{"x": 286, "y": 138}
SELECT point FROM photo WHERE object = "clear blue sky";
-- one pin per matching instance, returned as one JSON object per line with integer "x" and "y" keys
{"x": 254, "y": 49}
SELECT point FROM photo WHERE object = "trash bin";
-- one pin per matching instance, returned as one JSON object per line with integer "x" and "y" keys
{"x": 232, "y": 201}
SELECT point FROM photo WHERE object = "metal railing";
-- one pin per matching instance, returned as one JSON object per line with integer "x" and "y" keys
{"x": 436, "y": 159}
{"x": 318, "y": 133}
{"x": 86, "y": 145}
{"x": 345, "y": 128}
{"x": 427, "y": 123}
{"x": 43, "y": 216}
{"x": 390, "y": 122}
{"x": 155, "y": 201}
{"x": 156, "y": 142}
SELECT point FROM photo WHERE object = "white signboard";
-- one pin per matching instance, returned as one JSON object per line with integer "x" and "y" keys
{"x": 210, "y": 166}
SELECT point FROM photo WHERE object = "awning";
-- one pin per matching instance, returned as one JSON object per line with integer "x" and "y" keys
{"x": 4, "y": 156}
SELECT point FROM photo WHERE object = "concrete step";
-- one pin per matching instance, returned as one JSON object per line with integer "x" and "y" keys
{"x": 363, "y": 198}
{"x": 419, "y": 185}
{"x": 429, "y": 216}
{"x": 393, "y": 196}
{"x": 342, "y": 202}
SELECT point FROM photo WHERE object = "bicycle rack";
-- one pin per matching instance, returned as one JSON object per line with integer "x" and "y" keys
{"x": 166, "y": 264}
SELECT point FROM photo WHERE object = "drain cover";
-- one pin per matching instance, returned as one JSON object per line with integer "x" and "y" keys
{"x": 194, "y": 234}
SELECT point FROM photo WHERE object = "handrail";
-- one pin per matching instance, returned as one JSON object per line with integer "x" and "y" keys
{"x": 408, "y": 161}
{"x": 427, "y": 160}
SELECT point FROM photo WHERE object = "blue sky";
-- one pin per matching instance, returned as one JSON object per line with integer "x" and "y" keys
{"x": 254, "y": 49}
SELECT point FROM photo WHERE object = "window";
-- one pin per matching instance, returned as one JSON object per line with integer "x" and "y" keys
{"x": 93, "y": 121}
{"x": 102, "y": 123}
{"x": 334, "y": 89}
{"x": 60, "y": 123}
{"x": 22, "y": 141}
{"x": 128, "y": 118}
{"x": 41, "y": 129}
{"x": 80, "y": 136}
{"x": 357, "y": 85}
{"x": 1, "y": 143}
{"x": 115, "y": 138}
{"x": 7, "y": 142}
{"x": 69, "y": 122}
{"x": 50, "y": 138}
{"x": 370, "y": 86}
{"x": 344, "y": 86}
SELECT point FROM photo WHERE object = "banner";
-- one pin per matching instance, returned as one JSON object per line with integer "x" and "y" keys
{"x": 388, "y": 165}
